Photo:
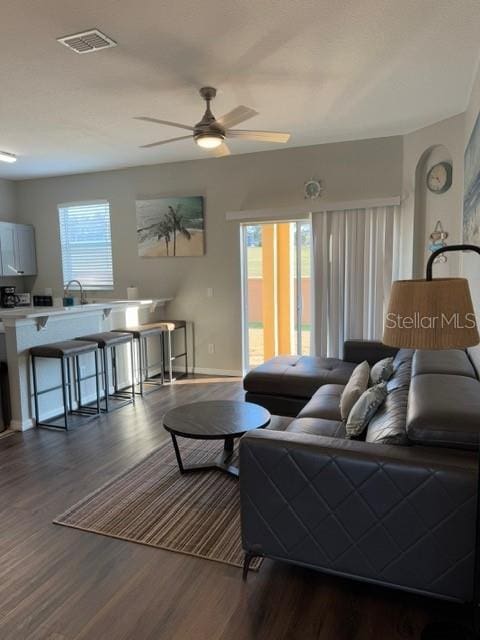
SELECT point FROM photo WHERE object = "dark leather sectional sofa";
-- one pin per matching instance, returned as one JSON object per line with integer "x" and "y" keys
{"x": 397, "y": 508}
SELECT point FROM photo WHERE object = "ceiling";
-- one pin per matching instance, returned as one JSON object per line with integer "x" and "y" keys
{"x": 325, "y": 71}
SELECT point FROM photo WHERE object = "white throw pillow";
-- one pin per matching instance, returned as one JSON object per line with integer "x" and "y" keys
{"x": 365, "y": 408}
{"x": 382, "y": 371}
{"x": 354, "y": 388}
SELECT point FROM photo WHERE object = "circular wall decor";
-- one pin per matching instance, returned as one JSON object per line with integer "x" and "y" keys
{"x": 439, "y": 178}
{"x": 312, "y": 189}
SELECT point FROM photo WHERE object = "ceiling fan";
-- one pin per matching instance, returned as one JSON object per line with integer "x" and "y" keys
{"x": 210, "y": 133}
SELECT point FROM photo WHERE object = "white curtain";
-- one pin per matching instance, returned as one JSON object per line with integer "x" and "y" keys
{"x": 355, "y": 260}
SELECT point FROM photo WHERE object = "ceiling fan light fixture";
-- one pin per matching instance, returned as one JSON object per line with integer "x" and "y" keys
{"x": 210, "y": 133}
{"x": 7, "y": 157}
{"x": 209, "y": 141}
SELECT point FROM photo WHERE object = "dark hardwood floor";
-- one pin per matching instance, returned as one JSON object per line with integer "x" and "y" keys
{"x": 63, "y": 584}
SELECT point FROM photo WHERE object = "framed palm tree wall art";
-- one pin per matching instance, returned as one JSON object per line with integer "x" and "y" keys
{"x": 171, "y": 227}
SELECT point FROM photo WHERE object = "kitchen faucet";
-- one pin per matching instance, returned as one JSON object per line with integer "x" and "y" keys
{"x": 83, "y": 299}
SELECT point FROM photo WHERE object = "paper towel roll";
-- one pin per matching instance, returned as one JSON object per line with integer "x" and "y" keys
{"x": 132, "y": 293}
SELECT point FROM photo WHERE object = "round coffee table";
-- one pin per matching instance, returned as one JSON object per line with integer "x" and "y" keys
{"x": 214, "y": 420}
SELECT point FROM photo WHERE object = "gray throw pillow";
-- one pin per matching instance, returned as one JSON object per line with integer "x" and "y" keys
{"x": 365, "y": 408}
{"x": 382, "y": 371}
{"x": 354, "y": 388}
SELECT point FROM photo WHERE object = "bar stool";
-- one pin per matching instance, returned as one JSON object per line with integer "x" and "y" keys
{"x": 141, "y": 333}
{"x": 107, "y": 342}
{"x": 168, "y": 328}
{"x": 67, "y": 353}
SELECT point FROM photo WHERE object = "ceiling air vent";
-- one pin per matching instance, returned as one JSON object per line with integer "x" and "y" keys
{"x": 87, "y": 41}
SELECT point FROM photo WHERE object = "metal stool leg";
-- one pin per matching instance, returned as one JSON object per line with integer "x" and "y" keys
{"x": 106, "y": 380}
{"x": 132, "y": 372}
{"x": 162, "y": 357}
{"x": 69, "y": 382}
{"x": 35, "y": 390}
{"x": 145, "y": 357}
{"x": 64, "y": 392}
{"x": 168, "y": 343}
{"x": 114, "y": 368}
{"x": 140, "y": 365}
{"x": 79, "y": 382}
{"x": 170, "y": 366}
{"x": 186, "y": 349}
{"x": 97, "y": 381}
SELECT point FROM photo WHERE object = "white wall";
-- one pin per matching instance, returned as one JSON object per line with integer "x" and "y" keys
{"x": 420, "y": 208}
{"x": 350, "y": 170}
{"x": 7, "y": 200}
{"x": 470, "y": 263}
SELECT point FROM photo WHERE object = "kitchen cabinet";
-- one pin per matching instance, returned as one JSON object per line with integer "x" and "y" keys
{"x": 17, "y": 250}
{"x": 26, "y": 258}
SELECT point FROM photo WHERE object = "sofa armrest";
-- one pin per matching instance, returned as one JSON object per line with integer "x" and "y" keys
{"x": 401, "y": 516}
{"x": 370, "y": 350}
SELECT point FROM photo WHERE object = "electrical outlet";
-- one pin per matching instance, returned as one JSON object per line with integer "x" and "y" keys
{"x": 211, "y": 348}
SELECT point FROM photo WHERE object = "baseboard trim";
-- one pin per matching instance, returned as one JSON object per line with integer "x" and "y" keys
{"x": 18, "y": 425}
{"x": 231, "y": 373}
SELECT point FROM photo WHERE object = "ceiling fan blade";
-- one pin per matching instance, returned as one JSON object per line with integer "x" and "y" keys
{"x": 259, "y": 136}
{"x": 167, "y": 122}
{"x": 157, "y": 144}
{"x": 221, "y": 151}
{"x": 236, "y": 116}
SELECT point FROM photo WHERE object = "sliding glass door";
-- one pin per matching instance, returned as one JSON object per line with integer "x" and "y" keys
{"x": 276, "y": 260}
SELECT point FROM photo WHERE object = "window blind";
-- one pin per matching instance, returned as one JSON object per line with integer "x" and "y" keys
{"x": 87, "y": 244}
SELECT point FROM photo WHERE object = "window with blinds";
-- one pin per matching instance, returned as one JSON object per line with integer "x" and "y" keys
{"x": 87, "y": 244}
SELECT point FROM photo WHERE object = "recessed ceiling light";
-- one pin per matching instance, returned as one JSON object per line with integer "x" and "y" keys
{"x": 7, "y": 157}
{"x": 87, "y": 41}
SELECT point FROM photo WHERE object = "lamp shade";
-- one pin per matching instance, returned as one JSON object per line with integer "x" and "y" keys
{"x": 430, "y": 314}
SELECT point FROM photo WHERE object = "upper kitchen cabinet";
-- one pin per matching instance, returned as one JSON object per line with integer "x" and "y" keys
{"x": 17, "y": 250}
{"x": 26, "y": 256}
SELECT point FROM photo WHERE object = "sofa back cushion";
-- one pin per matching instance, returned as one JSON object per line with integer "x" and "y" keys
{"x": 354, "y": 388}
{"x": 451, "y": 362}
{"x": 444, "y": 410}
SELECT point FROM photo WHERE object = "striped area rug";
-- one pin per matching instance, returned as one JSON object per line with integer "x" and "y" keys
{"x": 151, "y": 503}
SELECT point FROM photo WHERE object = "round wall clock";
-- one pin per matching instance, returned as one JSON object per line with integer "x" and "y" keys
{"x": 312, "y": 189}
{"x": 439, "y": 178}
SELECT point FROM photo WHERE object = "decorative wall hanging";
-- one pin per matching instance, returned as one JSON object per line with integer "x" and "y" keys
{"x": 437, "y": 238}
{"x": 312, "y": 189}
{"x": 471, "y": 194}
{"x": 170, "y": 227}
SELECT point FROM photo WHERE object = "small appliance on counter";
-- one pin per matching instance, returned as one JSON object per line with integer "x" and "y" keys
{"x": 43, "y": 301}
{"x": 7, "y": 297}
{"x": 132, "y": 293}
{"x": 23, "y": 299}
